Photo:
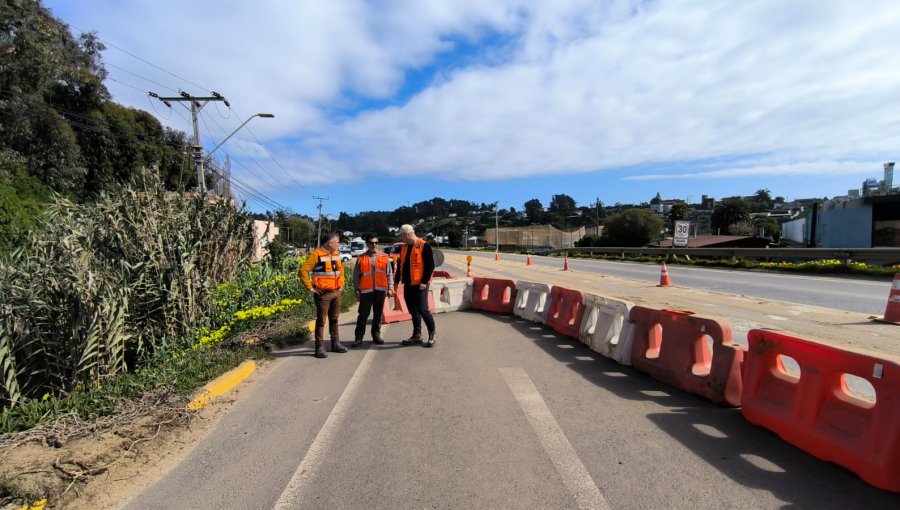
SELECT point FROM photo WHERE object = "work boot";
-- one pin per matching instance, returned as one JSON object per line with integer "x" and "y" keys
{"x": 320, "y": 352}
{"x": 356, "y": 343}
{"x": 377, "y": 340}
{"x": 415, "y": 339}
{"x": 337, "y": 347}
{"x": 431, "y": 339}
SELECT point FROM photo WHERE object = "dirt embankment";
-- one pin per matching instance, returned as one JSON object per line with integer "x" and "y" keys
{"x": 78, "y": 465}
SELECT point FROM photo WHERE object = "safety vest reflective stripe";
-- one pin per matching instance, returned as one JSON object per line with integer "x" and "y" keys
{"x": 371, "y": 280}
{"x": 328, "y": 273}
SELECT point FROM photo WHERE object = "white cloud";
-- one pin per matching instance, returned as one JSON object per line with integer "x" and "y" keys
{"x": 577, "y": 86}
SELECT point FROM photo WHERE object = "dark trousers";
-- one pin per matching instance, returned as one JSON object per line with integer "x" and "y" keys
{"x": 417, "y": 303}
{"x": 328, "y": 306}
{"x": 370, "y": 302}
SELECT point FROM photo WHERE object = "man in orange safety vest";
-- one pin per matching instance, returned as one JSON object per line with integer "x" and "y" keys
{"x": 327, "y": 286}
{"x": 373, "y": 278}
{"x": 414, "y": 269}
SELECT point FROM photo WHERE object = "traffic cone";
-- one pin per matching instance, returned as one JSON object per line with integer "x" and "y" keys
{"x": 892, "y": 310}
{"x": 496, "y": 255}
{"x": 528, "y": 263}
{"x": 664, "y": 277}
{"x": 566, "y": 263}
{"x": 468, "y": 270}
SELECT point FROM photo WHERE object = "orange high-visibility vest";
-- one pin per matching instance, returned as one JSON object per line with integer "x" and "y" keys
{"x": 416, "y": 265}
{"x": 328, "y": 273}
{"x": 373, "y": 279}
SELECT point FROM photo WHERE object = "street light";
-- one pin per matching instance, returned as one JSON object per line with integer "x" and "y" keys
{"x": 261, "y": 115}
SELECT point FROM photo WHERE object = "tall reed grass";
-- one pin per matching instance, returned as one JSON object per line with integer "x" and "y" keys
{"x": 104, "y": 284}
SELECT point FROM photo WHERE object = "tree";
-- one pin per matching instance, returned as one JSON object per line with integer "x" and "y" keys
{"x": 763, "y": 196}
{"x": 742, "y": 228}
{"x": 635, "y": 227}
{"x": 23, "y": 200}
{"x": 300, "y": 231}
{"x": 535, "y": 210}
{"x": 563, "y": 204}
{"x": 678, "y": 212}
{"x": 770, "y": 225}
{"x": 728, "y": 212}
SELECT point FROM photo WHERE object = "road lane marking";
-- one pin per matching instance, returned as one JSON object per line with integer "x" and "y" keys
{"x": 570, "y": 468}
{"x": 293, "y": 493}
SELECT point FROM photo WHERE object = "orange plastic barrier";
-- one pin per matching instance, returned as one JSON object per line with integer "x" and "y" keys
{"x": 671, "y": 346}
{"x": 493, "y": 295}
{"x": 566, "y": 311}
{"x": 817, "y": 413}
{"x": 395, "y": 309}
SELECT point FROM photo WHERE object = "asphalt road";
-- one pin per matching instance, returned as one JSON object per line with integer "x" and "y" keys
{"x": 502, "y": 413}
{"x": 840, "y": 293}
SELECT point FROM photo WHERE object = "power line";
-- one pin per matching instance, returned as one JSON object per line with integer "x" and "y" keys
{"x": 111, "y": 45}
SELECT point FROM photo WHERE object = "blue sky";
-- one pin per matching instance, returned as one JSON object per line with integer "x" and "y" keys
{"x": 379, "y": 104}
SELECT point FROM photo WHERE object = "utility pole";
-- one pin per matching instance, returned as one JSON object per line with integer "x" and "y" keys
{"x": 319, "y": 236}
{"x": 197, "y": 104}
{"x": 497, "y": 224}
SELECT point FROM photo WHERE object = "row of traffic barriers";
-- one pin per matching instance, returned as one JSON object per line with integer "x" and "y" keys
{"x": 814, "y": 410}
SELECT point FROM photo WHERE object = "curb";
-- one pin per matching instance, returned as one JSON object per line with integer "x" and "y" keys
{"x": 222, "y": 385}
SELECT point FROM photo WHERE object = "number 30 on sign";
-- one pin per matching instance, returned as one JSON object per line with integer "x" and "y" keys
{"x": 682, "y": 232}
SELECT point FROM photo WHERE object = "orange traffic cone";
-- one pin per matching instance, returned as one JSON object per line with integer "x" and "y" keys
{"x": 566, "y": 263}
{"x": 496, "y": 255}
{"x": 528, "y": 261}
{"x": 468, "y": 270}
{"x": 892, "y": 310}
{"x": 664, "y": 277}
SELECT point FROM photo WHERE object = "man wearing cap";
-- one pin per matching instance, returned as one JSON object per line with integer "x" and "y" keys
{"x": 414, "y": 269}
{"x": 326, "y": 285}
{"x": 373, "y": 277}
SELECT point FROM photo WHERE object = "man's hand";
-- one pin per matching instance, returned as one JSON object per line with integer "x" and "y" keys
{"x": 314, "y": 290}
{"x": 423, "y": 286}
{"x": 391, "y": 293}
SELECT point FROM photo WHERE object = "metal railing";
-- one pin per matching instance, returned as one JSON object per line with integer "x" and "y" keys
{"x": 845, "y": 255}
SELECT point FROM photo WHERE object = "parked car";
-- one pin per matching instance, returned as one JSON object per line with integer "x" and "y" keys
{"x": 345, "y": 253}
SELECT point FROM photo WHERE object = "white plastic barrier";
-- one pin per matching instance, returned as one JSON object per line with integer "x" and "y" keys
{"x": 606, "y": 328}
{"x": 532, "y": 301}
{"x": 450, "y": 295}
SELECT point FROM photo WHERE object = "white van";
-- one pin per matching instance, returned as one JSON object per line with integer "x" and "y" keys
{"x": 357, "y": 246}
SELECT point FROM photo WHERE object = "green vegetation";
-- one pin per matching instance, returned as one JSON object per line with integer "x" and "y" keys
{"x": 103, "y": 285}
{"x": 60, "y": 131}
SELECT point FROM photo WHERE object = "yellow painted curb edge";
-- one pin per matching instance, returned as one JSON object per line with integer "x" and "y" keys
{"x": 222, "y": 385}
{"x": 38, "y": 505}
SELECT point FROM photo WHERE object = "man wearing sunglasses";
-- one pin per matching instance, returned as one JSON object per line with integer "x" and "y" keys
{"x": 373, "y": 278}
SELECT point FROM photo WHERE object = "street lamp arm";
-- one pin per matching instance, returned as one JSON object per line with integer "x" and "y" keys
{"x": 262, "y": 115}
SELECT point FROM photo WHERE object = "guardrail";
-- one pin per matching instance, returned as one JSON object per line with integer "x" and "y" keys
{"x": 845, "y": 255}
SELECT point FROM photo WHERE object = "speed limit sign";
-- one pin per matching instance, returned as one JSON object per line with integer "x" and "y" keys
{"x": 682, "y": 232}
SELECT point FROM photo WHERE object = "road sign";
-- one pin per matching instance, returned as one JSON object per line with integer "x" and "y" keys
{"x": 682, "y": 232}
